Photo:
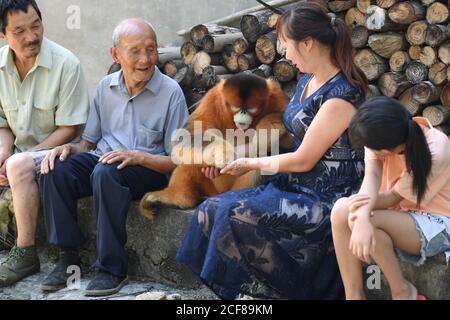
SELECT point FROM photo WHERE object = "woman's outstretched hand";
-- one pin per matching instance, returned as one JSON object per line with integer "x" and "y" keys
{"x": 238, "y": 167}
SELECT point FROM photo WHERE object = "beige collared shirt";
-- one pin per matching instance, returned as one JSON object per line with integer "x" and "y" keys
{"x": 54, "y": 93}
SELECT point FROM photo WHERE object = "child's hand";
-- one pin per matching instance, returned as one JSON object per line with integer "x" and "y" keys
{"x": 353, "y": 216}
{"x": 4, "y": 181}
{"x": 362, "y": 241}
{"x": 211, "y": 172}
{"x": 355, "y": 202}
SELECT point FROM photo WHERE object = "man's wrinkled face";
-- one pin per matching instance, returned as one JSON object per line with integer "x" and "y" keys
{"x": 138, "y": 55}
{"x": 24, "y": 33}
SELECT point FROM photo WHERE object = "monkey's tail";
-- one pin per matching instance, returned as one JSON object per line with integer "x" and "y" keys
{"x": 268, "y": 6}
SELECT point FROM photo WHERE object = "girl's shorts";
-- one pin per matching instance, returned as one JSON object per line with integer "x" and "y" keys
{"x": 434, "y": 231}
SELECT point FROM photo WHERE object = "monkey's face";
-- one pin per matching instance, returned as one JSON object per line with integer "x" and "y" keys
{"x": 245, "y": 99}
{"x": 244, "y": 114}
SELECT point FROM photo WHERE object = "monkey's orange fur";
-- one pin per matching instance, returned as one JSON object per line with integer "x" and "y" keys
{"x": 188, "y": 186}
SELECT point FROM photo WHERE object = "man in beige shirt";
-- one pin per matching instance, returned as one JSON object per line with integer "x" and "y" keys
{"x": 43, "y": 100}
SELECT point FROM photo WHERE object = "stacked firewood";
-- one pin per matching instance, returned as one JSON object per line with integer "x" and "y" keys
{"x": 212, "y": 53}
{"x": 403, "y": 47}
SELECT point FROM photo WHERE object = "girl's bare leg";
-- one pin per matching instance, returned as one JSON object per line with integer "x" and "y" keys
{"x": 395, "y": 229}
{"x": 392, "y": 229}
{"x": 349, "y": 266}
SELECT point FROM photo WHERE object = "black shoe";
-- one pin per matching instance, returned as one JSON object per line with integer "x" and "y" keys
{"x": 57, "y": 279}
{"x": 105, "y": 284}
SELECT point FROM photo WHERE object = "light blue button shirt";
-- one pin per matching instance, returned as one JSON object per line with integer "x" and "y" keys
{"x": 145, "y": 122}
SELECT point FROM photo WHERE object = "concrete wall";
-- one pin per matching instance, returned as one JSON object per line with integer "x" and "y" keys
{"x": 89, "y": 37}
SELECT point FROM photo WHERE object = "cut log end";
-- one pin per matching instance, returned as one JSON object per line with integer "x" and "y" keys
{"x": 445, "y": 95}
{"x": 438, "y": 73}
{"x": 416, "y": 32}
{"x": 435, "y": 35}
{"x": 200, "y": 61}
{"x": 359, "y": 36}
{"x": 437, "y": 115}
{"x": 371, "y": 64}
{"x": 416, "y": 72}
{"x": 266, "y": 48}
{"x": 410, "y": 103}
{"x": 428, "y": 56}
{"x": 254, "y": 25}
{"x": 437, "y": 13}
{"x": 398, "y": 61}
{"x": 406, "y": 12}
{"x": 198, "y": 32}
{"x": 385, "y": 44}
{"x": 285, "y": 71}
{"x": 247, "y": 61}
{"x": 240, "y": 46}
{"x": 188, "y": 52}
{"x": 444, "y": 53}
{"x": 393, "y": 84}
{"x": 354, "y": 17}
{"x": 426, "y": 93}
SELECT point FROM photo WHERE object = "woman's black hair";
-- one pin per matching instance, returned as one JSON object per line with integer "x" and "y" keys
{"x": 310, "y": 19}
{"x": 384, "y": 123}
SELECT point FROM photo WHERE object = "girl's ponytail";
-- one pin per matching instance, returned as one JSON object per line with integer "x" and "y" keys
{"x": 418, "y": 158}
{"x": 383, "y": 123}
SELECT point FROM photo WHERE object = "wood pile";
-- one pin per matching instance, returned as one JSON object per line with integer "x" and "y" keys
{"x": 212, "y": 53}
{"x": 403, "y": 47}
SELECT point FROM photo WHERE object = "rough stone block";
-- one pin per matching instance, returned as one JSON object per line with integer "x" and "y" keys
{"x": 431, "y": 280}
{"x": 152, "y": 245}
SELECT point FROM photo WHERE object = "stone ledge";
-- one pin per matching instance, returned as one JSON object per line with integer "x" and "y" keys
{"x": 29, "y": 289}
{"x": 152, "y": 245}
{"x": 431, "y": 280}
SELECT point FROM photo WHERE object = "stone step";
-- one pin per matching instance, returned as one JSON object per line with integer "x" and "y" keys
{"x": 152, "y": 245}
{"x": 431, "y": 280}
{"x": 29, "y": 289}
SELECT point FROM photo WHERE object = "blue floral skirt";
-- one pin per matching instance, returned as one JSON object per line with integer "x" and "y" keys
{"x": 264, "y": 242}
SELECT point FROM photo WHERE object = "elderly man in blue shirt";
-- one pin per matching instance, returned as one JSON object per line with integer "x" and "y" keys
{"x": 124, "y": 152}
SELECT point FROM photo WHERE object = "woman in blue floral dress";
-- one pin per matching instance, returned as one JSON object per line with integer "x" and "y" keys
{"x": 274, "y": 241}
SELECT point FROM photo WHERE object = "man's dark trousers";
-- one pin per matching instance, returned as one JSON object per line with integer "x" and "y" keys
{"x": 113, "y": 190}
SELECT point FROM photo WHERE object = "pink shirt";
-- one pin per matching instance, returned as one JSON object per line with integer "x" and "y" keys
{"x": 395, "y": 175}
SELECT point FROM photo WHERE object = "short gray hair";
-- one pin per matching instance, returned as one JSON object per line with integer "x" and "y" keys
{"x": 126, "y": 27}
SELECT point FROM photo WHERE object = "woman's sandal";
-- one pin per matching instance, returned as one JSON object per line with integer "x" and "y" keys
{"x": 421, "y": 297}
